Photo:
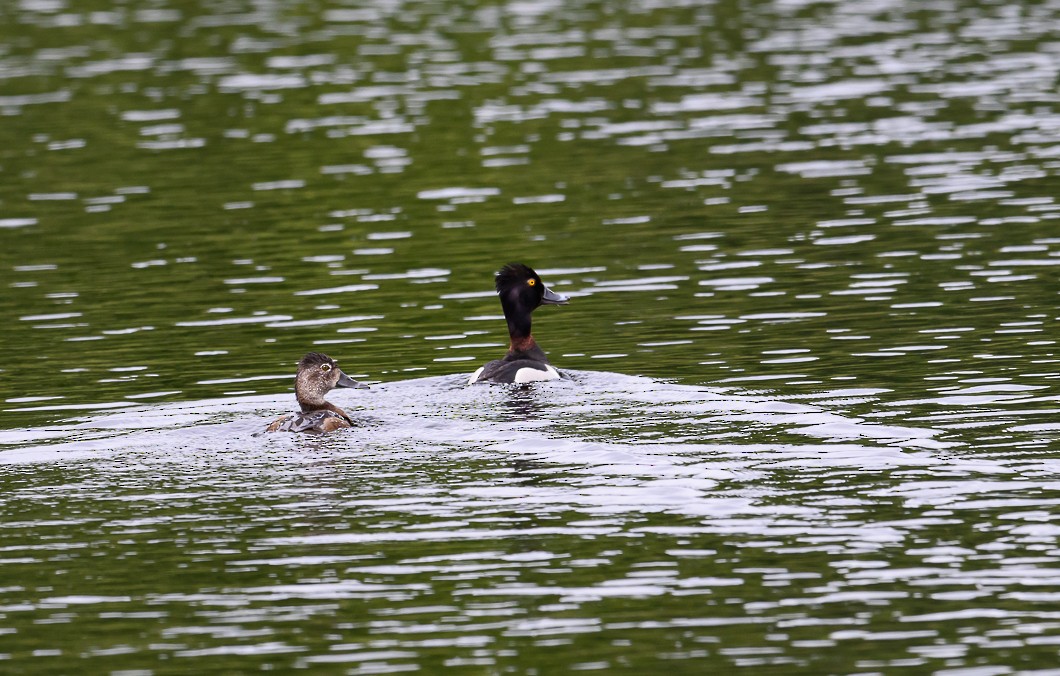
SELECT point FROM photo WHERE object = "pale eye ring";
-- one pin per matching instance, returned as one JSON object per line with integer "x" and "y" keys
{"x": 325, "y": 367}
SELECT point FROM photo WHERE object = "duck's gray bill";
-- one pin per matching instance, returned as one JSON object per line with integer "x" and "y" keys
{"x": 553, "y": 298}
{"x": 346, "y": 381}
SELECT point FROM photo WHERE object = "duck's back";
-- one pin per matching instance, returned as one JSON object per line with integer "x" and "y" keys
{"x": 314, "y": 422}
{"x": 515, "y": 371}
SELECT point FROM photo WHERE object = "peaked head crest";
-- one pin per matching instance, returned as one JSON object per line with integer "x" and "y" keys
{"x": 515, "y": 274}
{"x": 315, "y": 359}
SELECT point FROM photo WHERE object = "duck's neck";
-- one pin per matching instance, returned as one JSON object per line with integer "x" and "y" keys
{"x": 310, "y": 405}
{"x": 518, "y": 327}
{"x": 525, "y": 347}
{"x": 519, "y": 333}
{"x": 522, "y": 344}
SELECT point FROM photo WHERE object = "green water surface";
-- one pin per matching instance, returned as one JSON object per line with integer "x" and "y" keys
{"x": 848, "y": 205}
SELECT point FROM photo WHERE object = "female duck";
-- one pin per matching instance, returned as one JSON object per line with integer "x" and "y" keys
{"x": 521, "y": 292}
{"x": 317, "y": 375}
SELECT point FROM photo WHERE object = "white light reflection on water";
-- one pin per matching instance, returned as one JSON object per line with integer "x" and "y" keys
{"x": 472, "y": 471}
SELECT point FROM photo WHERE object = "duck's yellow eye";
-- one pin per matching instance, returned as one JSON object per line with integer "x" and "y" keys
{"x": 531, "y": 282}
{"x": 325, "y": 367}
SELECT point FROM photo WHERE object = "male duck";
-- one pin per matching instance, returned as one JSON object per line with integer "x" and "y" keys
{"x": 317, "y": 375}
{"x": 521, "y": 291}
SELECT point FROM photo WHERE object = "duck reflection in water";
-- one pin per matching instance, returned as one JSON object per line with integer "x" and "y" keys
{"x": 523, "y": 404}
{"x": 317, "y": 375}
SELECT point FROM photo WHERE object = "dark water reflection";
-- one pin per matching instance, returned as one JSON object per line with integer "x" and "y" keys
{"x": 824, "y": 234}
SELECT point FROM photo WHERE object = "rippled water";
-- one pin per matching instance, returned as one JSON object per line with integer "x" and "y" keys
{"x": 811, "y": 251}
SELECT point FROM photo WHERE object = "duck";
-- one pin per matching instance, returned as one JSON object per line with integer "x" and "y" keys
{"x": 317, "y": 375}
{"x": 521, "y": 292}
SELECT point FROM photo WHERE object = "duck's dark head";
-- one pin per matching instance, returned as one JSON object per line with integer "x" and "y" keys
{"x": 317, "y": 375}
{"x": 521, "y": 292}
{"x": 519, "y": 286}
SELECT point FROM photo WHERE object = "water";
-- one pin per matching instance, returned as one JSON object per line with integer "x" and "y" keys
{"x": 810, "y": 250}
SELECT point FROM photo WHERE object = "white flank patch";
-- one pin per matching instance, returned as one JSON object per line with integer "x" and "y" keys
{"x": 529, "y": 375}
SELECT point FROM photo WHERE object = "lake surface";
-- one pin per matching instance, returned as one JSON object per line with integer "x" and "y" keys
{"x": 811, "y": 250}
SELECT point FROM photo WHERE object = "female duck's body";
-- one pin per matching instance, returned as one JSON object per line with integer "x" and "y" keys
{"x": 521, "y": 292}
{"x": 317, "y": 375}
{"x": 314, "y": 422}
